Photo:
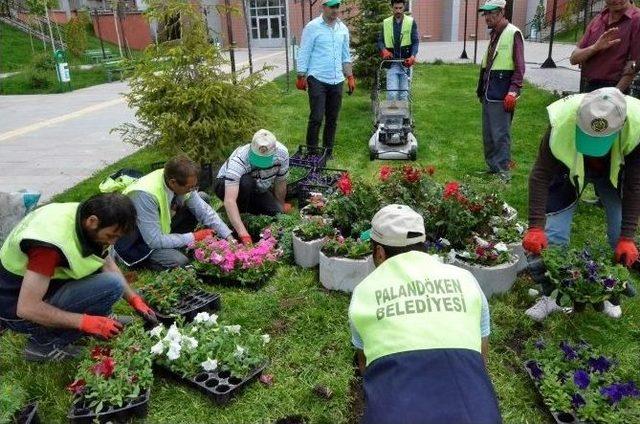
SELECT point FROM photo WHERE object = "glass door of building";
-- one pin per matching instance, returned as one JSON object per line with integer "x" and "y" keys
{"x": 267, "y": 22}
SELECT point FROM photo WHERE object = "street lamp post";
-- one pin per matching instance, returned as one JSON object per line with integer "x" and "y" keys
{"x": 464, "y": 45}
{"x": 475, "y": 42}
{"x": 549, "y": 63}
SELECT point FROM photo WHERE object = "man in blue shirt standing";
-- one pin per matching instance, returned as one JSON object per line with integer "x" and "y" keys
{"x": 398, "y": 40}
{"x": 324, "y": 62}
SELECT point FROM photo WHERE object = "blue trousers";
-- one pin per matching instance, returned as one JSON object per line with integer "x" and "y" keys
{"x": 397, "y": 80}
{"x": 94, "y": 295}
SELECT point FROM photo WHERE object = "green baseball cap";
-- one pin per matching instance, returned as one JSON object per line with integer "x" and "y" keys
{"x": 601, "y": 116}
{"x": 330, "y": 3}
{"x": 263, "y": 149}
{"x": 493, "y": 5}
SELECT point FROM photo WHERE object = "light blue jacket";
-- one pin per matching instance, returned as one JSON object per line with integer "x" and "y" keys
{"x": 323, "y": 51}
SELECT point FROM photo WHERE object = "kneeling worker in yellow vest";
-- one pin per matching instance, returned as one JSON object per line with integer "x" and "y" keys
{"x": 421, "y": 330}
{"x": 50, "y": 284}
{"x": 169, "y": 209}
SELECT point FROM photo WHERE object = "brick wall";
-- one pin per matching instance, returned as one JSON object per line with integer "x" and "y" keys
{"x": 135, "y": 29}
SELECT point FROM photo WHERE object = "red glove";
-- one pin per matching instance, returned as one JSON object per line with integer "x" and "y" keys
{"x": 287, "y": 208}
{"x": 626, "y": 251}
{"x": 142, "y": 308}
{"x": 386, "y": 54}
{"x": 410, "y": 61}
{"x": 351, "y": 82}
{"x": 246, "y": 240}
{"x": 509, "y": 102}
{"x": 203, "y": 234}
{"x": 103, "y": 327}
{"x": 301, "y": 83}
{"x": 535, "y": 240}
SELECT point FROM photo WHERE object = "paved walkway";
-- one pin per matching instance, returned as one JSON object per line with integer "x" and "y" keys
{"x": 51, "y": 142}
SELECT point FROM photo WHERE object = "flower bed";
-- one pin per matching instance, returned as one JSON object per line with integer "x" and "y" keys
{"x": 586, "y": 276}
{"x": 344, "y": 263}
{"x": 579, "y": 383}
{"x": 221, "y": 261}
{"x": 325, "y": 181}
{"x": 219, "y": 359}
{"x": 114, "y": 381}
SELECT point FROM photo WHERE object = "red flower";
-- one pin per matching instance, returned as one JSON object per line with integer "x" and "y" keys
{"x": 105, "y": 367}
{"x": 411, "y": 174}
{"x": 77, "y": 387}
{"x": 475, "y": 207}
{"x": 344, "y": 184}
{"x": 385, "y": 172}
{"x": 451, "y": 189}
{"x": 98, "y": 352}
{"x": 480, "y": 251}
{"x": 430, "y": 170}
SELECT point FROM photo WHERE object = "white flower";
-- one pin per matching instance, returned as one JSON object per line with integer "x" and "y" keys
{"x": 194, "y": 329}
{"x": 481, "y": 242}
{"x": 451, "y": 256}
{"x": 213, "y": 319}
{"x": 209, "y": 364}
{"x": 157, "y": 348}
{"x": 519, "y": 228}
{"x": 233, "y": 328}
{"x": 189, "y": 342}
{"x": 157, "y": 331}
{"x": 266, "y": 338}
{"x": 174, "y": 351}
{"x": 501, "y": 247}
{"x": 239, "y": 351}
{"x": 201, "y": 317}
{"x": 495, "y": 230}
{"x": 173, "y": 334}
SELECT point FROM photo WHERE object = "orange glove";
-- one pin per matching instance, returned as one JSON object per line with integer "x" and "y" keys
{"x": 142, "y": 308}
{"x": 203, "y": 234}
{"x": 386, "y": 54}
{"x": 626, "y": 252}
{"x": 287, "y": 208}
{"x": 351, "y": 82}
{"x": 103, "y": 327}
{"x": 535, "y": 240}
{"x": 246, "y": 240}
{"x": 410, "y": 61}
{"x": 301, "y": 83}
{"x": 509, "y": 102}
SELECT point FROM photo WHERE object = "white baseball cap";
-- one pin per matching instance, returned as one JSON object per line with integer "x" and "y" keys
{"x": 397, "y": 226}
{"x": 263, "y": 149}
{"x": 601, "y": 116}
{"x": 493, "y": 5}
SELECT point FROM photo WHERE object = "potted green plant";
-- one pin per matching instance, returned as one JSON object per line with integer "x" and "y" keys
{"x": 345, "y": 262}
{"x": 308, "y": 238}
{"x": 510, "y": 232}
{"x": 14, "y": 403}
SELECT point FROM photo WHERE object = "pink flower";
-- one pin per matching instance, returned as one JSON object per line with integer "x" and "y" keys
{"x": 216, "y": 258}
{"x": 199, "y": 255}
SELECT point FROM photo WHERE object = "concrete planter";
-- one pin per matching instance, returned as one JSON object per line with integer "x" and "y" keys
{"x": 307, "y": 253}
{"x": 344, "y": 274}
{"x": 516, "y": 249}
{"x": 492, "y": 279}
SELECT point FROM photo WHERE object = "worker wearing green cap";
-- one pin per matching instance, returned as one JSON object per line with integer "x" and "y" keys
{"x": 593, "y": 138}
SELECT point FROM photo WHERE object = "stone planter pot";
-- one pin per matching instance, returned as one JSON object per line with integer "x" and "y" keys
{"x": 516, "y": 249}
{"x": 492, "y": 279}
{"x": 344, "y": 274}
{"x": 307, "y": 253}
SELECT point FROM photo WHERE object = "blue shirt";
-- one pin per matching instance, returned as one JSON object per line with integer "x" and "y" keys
{"x": 323, "y": 51}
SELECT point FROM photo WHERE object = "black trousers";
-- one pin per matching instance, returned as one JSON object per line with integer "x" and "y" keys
{"x": 249, "y": 200}
{"x": 325, "y": 101}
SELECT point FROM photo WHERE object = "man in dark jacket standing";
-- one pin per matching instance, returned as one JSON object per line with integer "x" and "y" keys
{"x": 499, "y": 86}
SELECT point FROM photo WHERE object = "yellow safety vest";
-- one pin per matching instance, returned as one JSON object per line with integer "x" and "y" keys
{"x": 153, "y": 183}
{"x": 387, "y": 25}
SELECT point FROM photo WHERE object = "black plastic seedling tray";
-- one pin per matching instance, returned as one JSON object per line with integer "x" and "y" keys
{"x": 136, "y": 408}
{"x": 322, "y": 180}
{"x": 559, "y": 417}
{"x": 228, "y": 282}
{"x": 28, "y": 415}
{"x": 221, "y": 386}
{"x": 190, "y": 306}
{"x": 309, "y": 157}
{"x": 292, "y": 186}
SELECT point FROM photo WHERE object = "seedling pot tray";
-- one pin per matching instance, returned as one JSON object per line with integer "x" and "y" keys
{"x": 309, "y": 157}
{"x": 321, "y": 180}
{"x": 228, "y": 282}
{"x": 135, "y": 408}
{"x": 220, "y": 386}
{"x": 190, "y": 305}
{"x": 28, "y": 415}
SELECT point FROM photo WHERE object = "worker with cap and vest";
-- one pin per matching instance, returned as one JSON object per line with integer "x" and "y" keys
{"x": 254, "y": 180}
{"x": 398, "y": 40}
{"x": 592, "y": 138}
{"x": 499, "y": 85}
{"x": 169, "y": 210}
{"x": 57, "y": 280}
{"x": 421, "y": 331}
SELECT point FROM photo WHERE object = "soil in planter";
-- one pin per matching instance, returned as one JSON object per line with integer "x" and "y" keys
{"x": 136, "y": 408}
{"x": 28, "y": 415}
{"x": 190, "y": 306}
{"x": 221, "y": 386}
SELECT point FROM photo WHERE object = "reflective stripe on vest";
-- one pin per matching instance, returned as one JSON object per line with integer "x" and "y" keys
{"x": 414, "y": 302}
{"x": 563, "y": 117}
{"x": 405, "y": 40}
{"x": 54, "y": 224}
{"x": 154, "y": 185}
{"x": 503, "y": 55}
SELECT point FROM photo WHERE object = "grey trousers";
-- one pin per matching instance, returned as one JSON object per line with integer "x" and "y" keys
{"x": 496, "y": 135}
{"x": 161, "y": 259}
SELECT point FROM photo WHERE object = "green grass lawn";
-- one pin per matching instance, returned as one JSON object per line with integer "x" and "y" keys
{"x": 15, "y": 48}
{"x": 310, "y": 338}
{"x": 80, "y": 78}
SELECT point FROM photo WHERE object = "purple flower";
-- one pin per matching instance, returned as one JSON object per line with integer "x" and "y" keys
{"x": 569, "y": 353}
{"x": 629, "y": 389}
{"x": 612, "y": 393}
{"x": 540, "y": 344}
{"x": 600, "y": 364}
{"x": 592, "y": 267}
{"x": 610, "y": 282}
{"x": 586, "y": 256}
{"x": 581, "y": 379}
{"x": 577, "y": 400}
{"x": 534, "y": 368}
